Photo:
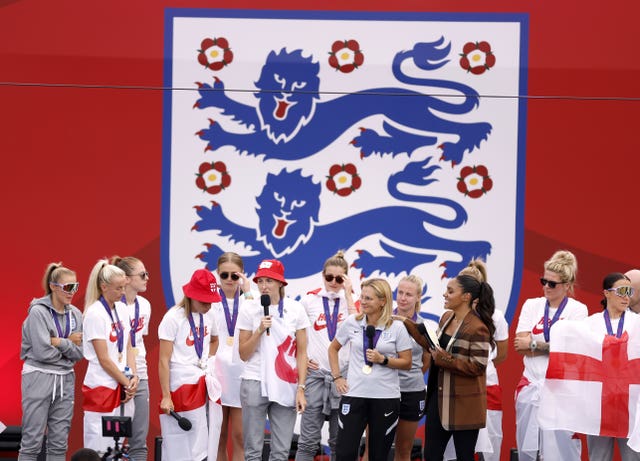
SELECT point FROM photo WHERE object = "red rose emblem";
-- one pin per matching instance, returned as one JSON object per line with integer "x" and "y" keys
{"x": 212, "y": 177}
{"x": 345, "y": 55}
{"x": 343, "y": 179}
{"x": 477, "y": 57}
{"x": 214, "y": 53}
{"x": 474, "y": 181}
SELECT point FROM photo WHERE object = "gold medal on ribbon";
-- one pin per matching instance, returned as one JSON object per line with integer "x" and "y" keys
{"x": 119, "y": 357}
{"x": 135, "y": 351}
{"x": 366, "y": 369}
{"x": 230, "y": 340}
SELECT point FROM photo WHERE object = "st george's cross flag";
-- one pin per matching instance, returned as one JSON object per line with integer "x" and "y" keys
{"x": 592, "y": 384}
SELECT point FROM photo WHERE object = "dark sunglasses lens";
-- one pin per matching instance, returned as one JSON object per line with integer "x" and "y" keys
{"x": 329, "y": 278}
{"x": 551, "y": 284}
{"x": 225, "y": 276}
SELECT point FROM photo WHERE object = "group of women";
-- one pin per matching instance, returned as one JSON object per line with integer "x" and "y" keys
{"x": 231, "y": 359}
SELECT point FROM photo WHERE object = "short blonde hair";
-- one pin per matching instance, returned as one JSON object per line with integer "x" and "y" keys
{"x": 382, "y": 290}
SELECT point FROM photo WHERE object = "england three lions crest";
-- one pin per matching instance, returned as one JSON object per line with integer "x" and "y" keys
{"x": 396, "y": 137}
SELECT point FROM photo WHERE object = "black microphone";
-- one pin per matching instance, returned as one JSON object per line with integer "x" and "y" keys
{"x": 370, "y": 332}
{"x": 183, "y": 422}
{"x": 265, "y": 300}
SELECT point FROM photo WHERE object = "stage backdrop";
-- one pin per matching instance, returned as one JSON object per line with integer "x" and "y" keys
{"x": 412, "y": 136}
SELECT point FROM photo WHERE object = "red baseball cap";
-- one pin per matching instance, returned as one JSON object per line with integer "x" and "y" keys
{"x": 271, "y": 268}
{"x": 202, "y": 287}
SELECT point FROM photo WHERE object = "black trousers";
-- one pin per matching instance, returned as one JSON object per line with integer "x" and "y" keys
{"x": 437, "y": 437}
{"x": 354, "y": 414}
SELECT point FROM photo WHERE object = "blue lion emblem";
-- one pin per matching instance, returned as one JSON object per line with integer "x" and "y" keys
{"x": 290, "y": 123}
{"x": 288, "y": 208}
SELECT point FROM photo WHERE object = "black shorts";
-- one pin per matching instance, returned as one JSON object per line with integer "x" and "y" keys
{"x": 412, "y": 405}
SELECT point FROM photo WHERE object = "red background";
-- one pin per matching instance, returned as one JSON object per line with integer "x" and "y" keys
{"x": 80, "y": 137}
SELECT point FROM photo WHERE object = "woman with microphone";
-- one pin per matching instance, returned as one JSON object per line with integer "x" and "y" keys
{"x": 379, "y": 347}
{"x": 273, "y": 344}
{"x": 188, "y": 336}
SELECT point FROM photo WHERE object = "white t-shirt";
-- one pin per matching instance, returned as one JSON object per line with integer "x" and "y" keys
{"x": 228, "y": 366}
{"x": 501, "y": 334}
{"x": 596, "y": 322}
{"x": 531, "y": 321}
{"x": 144, "y": 316}
{"x": 175, "y": 327}
{"x": 294, "y": 319}
{"x": 382, "y": 382}
{"x": 318, "y": 332}
{"x": 97, "y": 324}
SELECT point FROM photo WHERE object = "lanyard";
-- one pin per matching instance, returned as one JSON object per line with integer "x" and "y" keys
{"x": 607, "y": 322}
{"x": 136, "y": 319}
{"x": 198, "y": 340}
{"x": 114, "y": 324}
{"x": 546, "y": 326}
{"x": 57, "y": 322}
{"x": 231, "y": 320}
{"x": 365, "y": 341}
{"x": 331, "y": 320}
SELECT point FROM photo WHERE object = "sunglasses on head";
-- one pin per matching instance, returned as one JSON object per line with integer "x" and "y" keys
{"x": 69, "y": 288}
{"x": 329, "y": 278}
{"x": 550, "y": 283}
{"x": 623, "y": 291}
{"x": 225, "y": 276}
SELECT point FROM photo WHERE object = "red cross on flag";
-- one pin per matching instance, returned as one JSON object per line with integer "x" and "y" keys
{"x": 593, "y": 380}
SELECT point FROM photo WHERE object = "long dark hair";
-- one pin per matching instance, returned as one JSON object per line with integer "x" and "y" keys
{"x": 486, "y": 305}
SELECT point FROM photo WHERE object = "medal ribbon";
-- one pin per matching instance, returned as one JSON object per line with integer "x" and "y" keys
{"x": 136, "y": 319}
{"x": 198, "y": 340}
{"x": 546, "y": 326}
{"x": 607, "y": 322}
{"x": 115, "y": 324}
{"x": 57, "y": 323}
{"x": 332, "y": 321}
{"x": 281, "y": 307}
{"x": 231, "y": 320}
{"x": 365, "y": 341}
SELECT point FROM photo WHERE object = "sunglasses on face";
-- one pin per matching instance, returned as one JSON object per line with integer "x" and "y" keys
{"x": 143, "y": 275}
{"x": 329, "y": 278}
{"x": 550, "y": 283}
{"x": 225, "y": 276}
{"x": 623, "y": 291}
{"x": 69, "y": 288}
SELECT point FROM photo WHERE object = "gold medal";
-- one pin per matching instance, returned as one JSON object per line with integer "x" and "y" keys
{"x": 230, "y": 340}
{"x": 135, "y": 351}
{"x": 366, "y": 369}
{"x": 119, "y": 357}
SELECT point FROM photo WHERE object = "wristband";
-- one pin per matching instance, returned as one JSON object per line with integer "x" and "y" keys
{"x": 302, "y": 386}
{"x": 335, "y": 378}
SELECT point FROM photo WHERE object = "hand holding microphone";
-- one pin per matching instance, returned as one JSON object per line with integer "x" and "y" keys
{"x": 370, "y": 332}
{"x": 265, "y": 300}
{"x": 183, "y": 422}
